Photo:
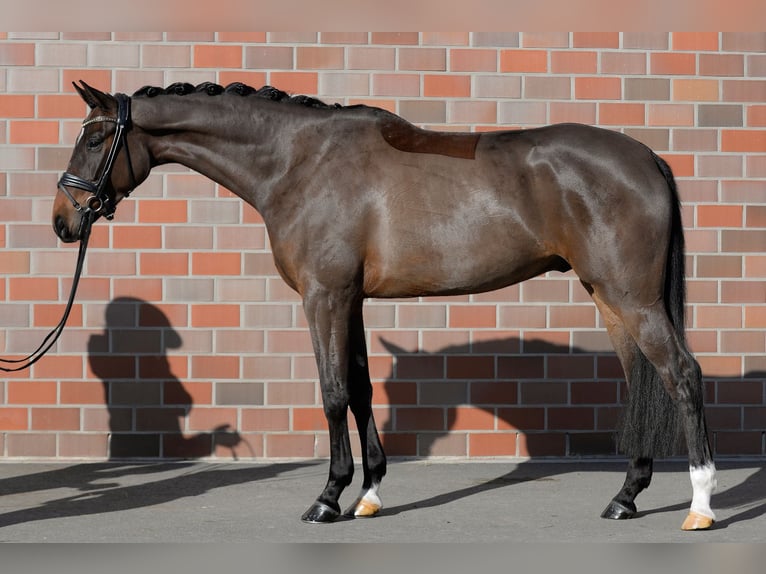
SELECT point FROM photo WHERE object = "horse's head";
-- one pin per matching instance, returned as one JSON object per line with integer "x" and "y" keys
{"x": 107, "y": 163}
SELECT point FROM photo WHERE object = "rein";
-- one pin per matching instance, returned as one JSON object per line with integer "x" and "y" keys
{"x": 97, "y": 204}
{"x": 53, "y": 336}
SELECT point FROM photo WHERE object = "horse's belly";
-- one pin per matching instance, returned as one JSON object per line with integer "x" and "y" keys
{"x": 454, "y": 268}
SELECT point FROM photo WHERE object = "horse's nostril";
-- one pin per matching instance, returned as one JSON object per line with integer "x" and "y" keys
{"x": 61, "y": 229}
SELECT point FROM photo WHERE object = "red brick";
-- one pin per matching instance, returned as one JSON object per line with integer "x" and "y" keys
{"x": 215, "y": 368}
{"x": 721, "y": 65}
{"x": 208, "y": 418}
{"x": 290, "y": 445}
{"x": 295, "y": 82}
{"x": 33, "y": 289}
{"x": 215, "y": 315}
{"x": 744, "y": 90}
{"x": 32, "y": 393}
{"x": 49, "y": 315}
{"x": 569, "y": 367}
{"x": 743, "y": 292}
{"x": 291, "y": 393}
{"x": 368, "y": 58}
{"x": 470, "y": 367}
{"x": 55, "y": 419}
{"x": 662, "y": 64}
{"x": 446, "y": 86}
{"x": 309, "y": 419}
{"x": 695, "y": 41}
{"x": 395, "y": 85}
{"x": 445, "y": 38}
{"x": 738, "y": 443}
{"x": 216, "y": 264}
{"x": 164, "y": 263}
{"x": 744, "y": 41}
{"x": 756, "y": 116}
{"x": 83, "y": 445}
{"x": 420, "y": 418}
{"x": 83, "y": 392}
{"x": 529, "y": 61}
{"x": 548, "y": 444}
{"x": 569, "y": 62}
{"x": 695, "y": 90}
{"x": 31, "y": 445}
{"x": 581, "y": 112}
{"x": 470, "y": 418}
{"x": 13, "y": 418}
{"x": 423, "y": 59}
{"x": 402, "y": 38}
{"x": 621, "y": 114}
{"x": 545, "y": 39}
{"x": 399, "y": 444}
{"x": 319, "y": 57}
{"x": 492, "y": 444}
{"x": 217, "y": 56}
{"x": 34, "y": 132}
{"x": 13, "y": 106}
{"x": 671, "y": 115}
{"x": 743, "y": 140}
{"x": 265, "y": 419}
{"x": 344, "y": 37}
{"x": 596, "y": 40}
{"x": 137, "y": 237}
{"x": 720, "y": 215}
{"x": 472, "y": 316}
{"x": 466, "y": 60}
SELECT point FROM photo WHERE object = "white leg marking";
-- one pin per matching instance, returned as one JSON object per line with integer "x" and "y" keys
{"x": 704, "y": 483}
{"x": 368, "y": 503}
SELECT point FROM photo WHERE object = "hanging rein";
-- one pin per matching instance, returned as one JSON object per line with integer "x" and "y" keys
{"x": 99, "y": 203}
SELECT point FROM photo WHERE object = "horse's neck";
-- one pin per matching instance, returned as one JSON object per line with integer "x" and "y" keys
{"x": 232, "y": 146}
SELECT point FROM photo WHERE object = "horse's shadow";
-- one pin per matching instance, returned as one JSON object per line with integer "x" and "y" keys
{"x": 541, "y": 363}
{"x": 107, "y": 487}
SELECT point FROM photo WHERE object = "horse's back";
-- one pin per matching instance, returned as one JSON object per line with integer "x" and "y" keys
{"x": 530, "y": 201}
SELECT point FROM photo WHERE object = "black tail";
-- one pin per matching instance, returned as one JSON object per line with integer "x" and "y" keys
{"x": 650, "y": 427}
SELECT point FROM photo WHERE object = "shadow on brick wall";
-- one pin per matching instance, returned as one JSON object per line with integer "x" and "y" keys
{"x": 509, "y": 397}
{"x": 146, "y": 402}
{"x": 559, "y": 401}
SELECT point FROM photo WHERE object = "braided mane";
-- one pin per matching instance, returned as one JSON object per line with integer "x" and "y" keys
{"x": 238, "y": 88}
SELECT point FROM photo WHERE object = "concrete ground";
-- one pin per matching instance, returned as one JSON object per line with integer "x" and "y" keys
{"x": 434, "y": 501}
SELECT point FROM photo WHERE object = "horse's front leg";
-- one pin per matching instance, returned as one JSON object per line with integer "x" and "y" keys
{"x": 327, "y": 314}
{"x": 360, "y": 390}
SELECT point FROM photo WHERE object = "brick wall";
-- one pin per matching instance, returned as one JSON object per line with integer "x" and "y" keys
{"x": 185, "y": 342}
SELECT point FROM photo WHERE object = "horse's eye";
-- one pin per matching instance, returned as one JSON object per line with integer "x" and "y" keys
{"x": 94, "y": 143}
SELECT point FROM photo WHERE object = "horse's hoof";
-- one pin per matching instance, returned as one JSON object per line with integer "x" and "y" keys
{"x": 320, "y": 513}
{"x": 697, "y": 521}
{"x": 363, "y": 508}
{"x": 618, "y": 511}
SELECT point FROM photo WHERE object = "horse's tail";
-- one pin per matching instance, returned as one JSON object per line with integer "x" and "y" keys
{"x": 650, "y": 425}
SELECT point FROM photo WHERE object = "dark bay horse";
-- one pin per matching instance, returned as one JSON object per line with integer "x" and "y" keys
{"x": 359, "y": 203}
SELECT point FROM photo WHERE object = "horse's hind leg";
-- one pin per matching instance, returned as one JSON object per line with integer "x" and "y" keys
{"x": 360, "y": 388}
{"x": 659, "y": 342}
{"x": 638, "y": 477}
{"x": 639, "y": 474}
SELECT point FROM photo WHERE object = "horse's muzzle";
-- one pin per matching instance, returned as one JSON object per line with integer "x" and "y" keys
{"x": 63, "y": 231}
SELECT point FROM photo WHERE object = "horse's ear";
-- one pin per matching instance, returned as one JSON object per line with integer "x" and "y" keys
{"x": 395, "y": 350}
{"x": 93, "y": 97}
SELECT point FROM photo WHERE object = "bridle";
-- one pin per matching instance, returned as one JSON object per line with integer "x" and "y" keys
{"x": 99, "y": 203}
